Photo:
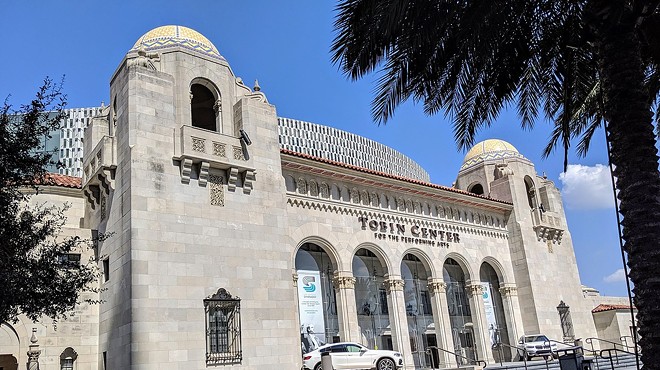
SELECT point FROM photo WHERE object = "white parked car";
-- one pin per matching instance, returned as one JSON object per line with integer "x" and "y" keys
{"x": 353, "y": 356}
{"x": 537, "y": 345}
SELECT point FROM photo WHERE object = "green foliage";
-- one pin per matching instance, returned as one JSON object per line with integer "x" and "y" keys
{"x": 471, "y": 59}
{"x": 34, "y": 280}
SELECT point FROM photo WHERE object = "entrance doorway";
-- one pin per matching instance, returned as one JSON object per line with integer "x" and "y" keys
{"x": 8, "y": 362}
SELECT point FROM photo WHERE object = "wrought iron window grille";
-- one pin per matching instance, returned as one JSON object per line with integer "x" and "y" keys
{"x": 223, "y": 329}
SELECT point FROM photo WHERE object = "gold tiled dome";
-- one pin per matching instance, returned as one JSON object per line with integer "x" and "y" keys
{"x": 488, "y": 150}
{"x": 167, "y": 36}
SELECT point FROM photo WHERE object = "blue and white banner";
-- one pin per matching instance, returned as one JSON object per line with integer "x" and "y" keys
{"x": 310, "y": 307}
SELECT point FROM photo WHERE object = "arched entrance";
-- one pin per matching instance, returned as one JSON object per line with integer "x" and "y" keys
{"x": 8, "y": 362}
{"x": 495, "y": 319}
{"x": 9, "y": 347}
{"x": 418, "y": 309}
{"x": 371, "y": 300}
{"x": 460, "y": 317}
{"x": 317, "y": 302}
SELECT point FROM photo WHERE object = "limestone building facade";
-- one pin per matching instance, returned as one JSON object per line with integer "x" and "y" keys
{"x": 241, "y": 239}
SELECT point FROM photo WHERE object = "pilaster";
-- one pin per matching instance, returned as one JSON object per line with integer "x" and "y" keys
{"x": 344, "y": 284}
{"x": 509, "y": 293}
{"x": 398, "y": 319}
{"x": 480, "y": 328}
{"x": 438, "y": 289}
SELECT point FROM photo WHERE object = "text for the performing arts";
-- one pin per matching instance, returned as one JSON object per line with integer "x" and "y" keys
{"x": 414, "y": 235}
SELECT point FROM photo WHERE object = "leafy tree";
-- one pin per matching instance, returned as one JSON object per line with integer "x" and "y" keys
{"x": 580, "y": 63}
{"x": 34, "y": 279}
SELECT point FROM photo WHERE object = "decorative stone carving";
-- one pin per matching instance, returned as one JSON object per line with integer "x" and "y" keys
{"x": 355, "y": 195}
{"x": 33, "y": 352}
{"x": 508, "y": 290}
{"x": 185, "y": 168}
{"x": 198, "y": 144}
{"x": 409, "y": 206}
{"x": 325, "y": 190}
{"x": 233, "y": 179}
{"x": 216, "y": 191}
{"x": 437, "y": 286}
{"x": 250, "y": 177}
{"x": 295, "y": 279}
{"x": 217, "y": 106}
{"x": 502, "y": 170}
{"x": 219, "y": 149}
{"x": 394, "y": 284}
{"x": 374, "y": 200}
{"x": 238, "y": 153}
{"x": 441, "y": 211}
{"x": 364, "y": 196}
{"x": 144, "y": 60}
{"x": 343, "y": 282}
{"x": 203, "y": 173}
{"x": 103, "y": 206}
{"x": 313, "y": 188}
{"x": 400, "y": 204}
{"x": 222, "y": 295}
{"x": 476, "y": 289}
{"x": 301, "y": 184}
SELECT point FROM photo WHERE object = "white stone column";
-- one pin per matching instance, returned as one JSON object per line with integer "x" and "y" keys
{"x": 443, "y": 335}
{"x": 34, "y": 352}
{"x": 398, "y": 319}
{"x": 344, "y": 283}
{"x": 479, "y": 325}
{"x": 512, "y": 314}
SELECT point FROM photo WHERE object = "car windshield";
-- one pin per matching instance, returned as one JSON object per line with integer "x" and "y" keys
{"x": 536, "y": 338}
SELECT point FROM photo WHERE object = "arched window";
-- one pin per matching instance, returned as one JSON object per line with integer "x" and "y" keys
{"x": 477, "y": 189}
{"x": 203, "y": 107}
{"x": 531, "y": 192}
{"x": 67, "y": 358}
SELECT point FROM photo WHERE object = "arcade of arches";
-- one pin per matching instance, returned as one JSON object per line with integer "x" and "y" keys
{"x": 407, "y": 307}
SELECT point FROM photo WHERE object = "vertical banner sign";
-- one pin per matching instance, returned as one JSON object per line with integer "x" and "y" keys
{"x": 310, "y": 307}
{"x": 489, "y": 307}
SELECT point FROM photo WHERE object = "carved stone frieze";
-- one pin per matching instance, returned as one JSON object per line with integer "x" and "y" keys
{"x": 325, "y": 190}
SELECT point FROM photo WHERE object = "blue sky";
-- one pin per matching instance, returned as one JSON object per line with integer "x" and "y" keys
{"x": 285, "y": 45}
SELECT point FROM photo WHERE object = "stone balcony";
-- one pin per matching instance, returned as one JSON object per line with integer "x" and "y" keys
{"x": 200, "y": 150}
{"x": 547, "y": 225}
{"x": 99, "y": 170}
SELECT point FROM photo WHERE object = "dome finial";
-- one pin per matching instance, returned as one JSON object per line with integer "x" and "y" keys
{"x": 256, "y": 86}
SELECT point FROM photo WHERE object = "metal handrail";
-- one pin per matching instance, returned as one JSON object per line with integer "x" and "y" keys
{"x": 610, "y": 357}
{"x": 624, "y": 339}
{"x": 470, "y": 361}
{"x": 499, "y": 347}
{"x": 593, "y": 351}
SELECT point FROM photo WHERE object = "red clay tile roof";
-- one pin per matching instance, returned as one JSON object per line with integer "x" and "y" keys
{"x": 55, "y": 179}
{"x": 383, "y": 174}
{"x": 610, "y": 307}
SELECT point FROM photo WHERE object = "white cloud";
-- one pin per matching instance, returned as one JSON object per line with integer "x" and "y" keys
{"x": 587, "y": 187}
{"x": 615, "y": 277}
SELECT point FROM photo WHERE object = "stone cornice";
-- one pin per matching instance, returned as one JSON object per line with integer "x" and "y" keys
{"x": 341, "y": 172}
{"x": 394, "y": 216}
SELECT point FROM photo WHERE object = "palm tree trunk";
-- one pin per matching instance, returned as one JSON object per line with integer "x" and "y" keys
{"x": 635, "y": 158}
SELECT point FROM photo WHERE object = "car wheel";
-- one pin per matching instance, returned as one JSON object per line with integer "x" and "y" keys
{"x": 318, "y": 366}
{"x": 385, "y": 364}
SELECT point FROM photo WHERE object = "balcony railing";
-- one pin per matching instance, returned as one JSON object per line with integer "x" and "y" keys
{"x": 195, "y": 146}
{"x": 547, "y": 225}
{"x": 99, "y": 169}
